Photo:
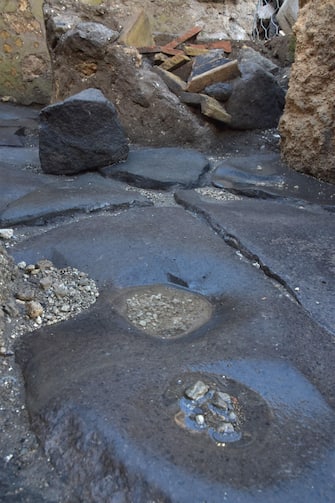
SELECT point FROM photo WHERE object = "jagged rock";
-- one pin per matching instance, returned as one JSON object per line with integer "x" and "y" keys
{"x": 248, "y": 54}
{"x": 257, "y": 101}
{"x": 174, "y": 83}
{"x": 287, "y": 15}
{"x": 81, "y": 133}
{"x": 220, "y": 91}
{"x": 161, "y": 168}
{"x": 90, "y": 38}
{"x": 307, "y": 126}
{"x": 137, "y": 31}
{"x": 213, "y": 109}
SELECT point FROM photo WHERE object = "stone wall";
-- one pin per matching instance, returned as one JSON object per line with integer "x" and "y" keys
{"x": 308, "y": 124}
{"x": 25, "y": 74}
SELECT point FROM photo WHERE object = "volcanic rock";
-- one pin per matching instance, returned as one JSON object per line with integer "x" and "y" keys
{"x": 81, "y": 133}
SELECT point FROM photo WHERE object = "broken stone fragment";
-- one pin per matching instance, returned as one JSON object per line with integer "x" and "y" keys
{"x": 198, "y": 390}
{"x": 6, "y": 233}
{"x": 213, "y": 109}
{"x": 249, "y": 55}
{"x": 208, "y": 61}
{"x": 175, "y": 62}
{"x": 137, "y": 31}
{"x": 89, "y": 38}
{"x": 174, "y": 83}
{"x": 220, "y": 91}
{"x": 81, "y": 133}
{"x": 257, "y": 101}
{"x": 34, "y": 309}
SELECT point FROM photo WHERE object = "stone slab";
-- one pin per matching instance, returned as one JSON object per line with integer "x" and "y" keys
{"x": 208, "y": 61}
{"x": 114, "y": 389}
{"x": 292, "y": 244}
{"x": 175, "y": 62}
{"x": 9, "y": 137}
{"x": 174, "y": 83}
{"x": 137, "y": 31}
{"x": 16, "y": 182}
{"x": 264, "y": 175}
{"x": 210, "y": 107}
{"x": 161, "y": 168}
{"x": 68, "y": 197}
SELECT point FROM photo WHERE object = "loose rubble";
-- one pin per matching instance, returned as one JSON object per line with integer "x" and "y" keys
{"x": 45, "y": 295}
{"x": 205, "y": 409}
{"x": 31, "y": 295}
{"x": 167, "y": 312}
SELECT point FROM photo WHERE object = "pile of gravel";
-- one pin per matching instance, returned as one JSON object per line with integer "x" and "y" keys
{"x": 31, "y": 295}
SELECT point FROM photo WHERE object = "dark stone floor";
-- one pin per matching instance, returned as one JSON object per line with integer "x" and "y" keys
{"x": 103, "y": 395}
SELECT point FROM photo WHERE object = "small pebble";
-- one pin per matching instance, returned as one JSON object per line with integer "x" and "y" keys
{"x": 6, "y": 233}
{"x": 200, "y": 419}
{"x": 198, "y": 390}
{"x": 45, "y": 283}
{"x": 30, "y": 267}
{"x": 34, "y": 309}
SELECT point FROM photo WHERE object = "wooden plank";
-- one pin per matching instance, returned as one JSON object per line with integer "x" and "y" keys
{"x": 221, "y": 44}
{"x": 152, "y": 49}
{"x": 170, "y": 51}
{"x": 221, "y": 73}
{"x": 192, "y": 32}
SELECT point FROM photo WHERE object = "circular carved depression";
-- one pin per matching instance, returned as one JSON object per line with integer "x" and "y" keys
{"x": 163, "y": 311}
{"x": 224, "y": 410}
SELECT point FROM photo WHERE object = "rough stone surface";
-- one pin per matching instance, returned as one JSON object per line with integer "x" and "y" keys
{"x": 25, "y": 74}
{"x": 307, "y": 126}
{"x": 220, "y": 91}
{"x": 257, "y": 101}
{"x": 89, "y": 37}
{"x": 161, "y": 168}
{"x": 266, "y": 176}
{"x": 107, "y": 398}
{"x": 81, "y": 133}
{"x": 274, "y": 235}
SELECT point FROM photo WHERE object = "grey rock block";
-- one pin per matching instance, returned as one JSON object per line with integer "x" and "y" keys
{"x": 257, "y": 101}
{"x": 81, "y": 133}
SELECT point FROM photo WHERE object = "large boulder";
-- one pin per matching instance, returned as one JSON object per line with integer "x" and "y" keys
{"x": 81, "y": 133}
{"x": 308, "y": 127}
{"x": 257, "y": 101}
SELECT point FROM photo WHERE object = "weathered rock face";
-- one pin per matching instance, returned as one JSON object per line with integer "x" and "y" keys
{"x": 80, "y": 134}
{"x": 308, "y": 124}
{"x": 25, "y": 63}
{"x": 257, "y": 100}
{"x": 149, "y": 112}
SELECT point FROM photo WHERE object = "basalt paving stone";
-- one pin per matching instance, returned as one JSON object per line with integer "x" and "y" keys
{"x": 264, "y": 175}
{"x": 161, "y": 168}
{"x": 144, "y": 246}
{"x": 9, "y": 138}
{"x": 16, "y": 182}
{"x": 103, "y": 397}
{"x": 68, "y": 196}
{"x": 294, "y": 244}
{"x": 19, "y": 156}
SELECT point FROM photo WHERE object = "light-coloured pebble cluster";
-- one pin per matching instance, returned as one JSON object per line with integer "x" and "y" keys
{"x": 165, "y": 314}
{"x": 45, "y": 295}
{"x": 206, "y": 409}
{"x": 217, "y": 194}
